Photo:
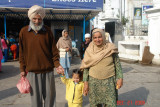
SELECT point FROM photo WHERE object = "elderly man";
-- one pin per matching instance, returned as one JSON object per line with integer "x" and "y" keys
{"x": 38, "y": 56}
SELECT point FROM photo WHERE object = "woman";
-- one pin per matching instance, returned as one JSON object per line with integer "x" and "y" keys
{"x": 64, "y": 45}
{"x": 102, "y": 71}
{"x": 1, "y": 55}
{"x": 4, "y": 48}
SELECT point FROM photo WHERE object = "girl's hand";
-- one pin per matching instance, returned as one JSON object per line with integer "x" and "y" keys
{"x": 119, "y": 83}
{"x": 86, "y": 88}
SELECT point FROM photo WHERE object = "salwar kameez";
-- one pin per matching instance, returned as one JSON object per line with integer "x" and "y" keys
{"x": 65, "y": 63}
{"x": 103, "y": 91}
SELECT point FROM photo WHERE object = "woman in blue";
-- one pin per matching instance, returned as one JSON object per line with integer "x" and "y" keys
{"x": 64, "y": 45}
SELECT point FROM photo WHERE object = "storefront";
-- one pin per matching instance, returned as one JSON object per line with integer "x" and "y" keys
{"x": 74, "y": 15}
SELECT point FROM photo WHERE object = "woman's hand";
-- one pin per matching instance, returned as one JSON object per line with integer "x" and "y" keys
{"x": 119, "y": 83}
{"x": 67, "y": 49}
{"x": 86, "y": 88}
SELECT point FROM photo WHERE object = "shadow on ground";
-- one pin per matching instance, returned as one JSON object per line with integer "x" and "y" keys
{"x": 126, "y": 69}
{"x": 10, "y": 92}
{"x": 133, "y": 97}
{"x": 9, "y": 71}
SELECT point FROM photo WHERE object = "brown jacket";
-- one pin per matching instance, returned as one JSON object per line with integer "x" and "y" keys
{"x": 37, "y": 52}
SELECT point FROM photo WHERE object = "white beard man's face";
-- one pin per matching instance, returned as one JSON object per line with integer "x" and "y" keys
{"x": 36, "y": 23}
{"x": 36, "y": 27}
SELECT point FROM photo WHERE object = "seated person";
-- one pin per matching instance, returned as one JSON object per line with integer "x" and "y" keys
{"x": 75, "y": 51}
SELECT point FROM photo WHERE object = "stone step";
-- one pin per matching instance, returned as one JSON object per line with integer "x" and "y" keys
{"x": 129, "y": 60}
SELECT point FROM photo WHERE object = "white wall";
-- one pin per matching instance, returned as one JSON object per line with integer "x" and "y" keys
{"x": 127, "y": 8}
{"x": 129, "y": 11}
{"x": 115, "y": 5}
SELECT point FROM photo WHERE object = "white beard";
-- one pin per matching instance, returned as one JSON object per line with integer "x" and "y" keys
{"x": 35, "y": 28}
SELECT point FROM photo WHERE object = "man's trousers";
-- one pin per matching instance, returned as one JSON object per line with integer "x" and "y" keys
{"x": 42, "y": 89}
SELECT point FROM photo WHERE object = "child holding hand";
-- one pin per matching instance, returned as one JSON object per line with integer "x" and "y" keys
{"x": 74, "y": 88}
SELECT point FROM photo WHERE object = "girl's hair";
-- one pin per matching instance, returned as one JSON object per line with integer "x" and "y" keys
{"x": 79, "y": 72}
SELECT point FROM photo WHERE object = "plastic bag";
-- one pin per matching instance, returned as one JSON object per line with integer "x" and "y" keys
{"x": 23, "y": 85}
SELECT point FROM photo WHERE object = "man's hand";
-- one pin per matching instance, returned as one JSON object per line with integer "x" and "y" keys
{"x": 60, "y": 70}
{"x": 23, "y": 74}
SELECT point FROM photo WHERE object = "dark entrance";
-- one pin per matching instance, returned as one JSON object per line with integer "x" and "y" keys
{"x": 110, "y": 28}
{"x": 115, "y": 31}
{"x": 58, "y": 34}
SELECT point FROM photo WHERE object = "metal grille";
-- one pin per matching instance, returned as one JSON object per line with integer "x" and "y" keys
{"x": 136, "y": 31}
{"x": 50, "y": 14}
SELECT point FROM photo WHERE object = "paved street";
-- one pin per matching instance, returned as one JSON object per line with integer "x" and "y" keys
{"x": 141, "y": 84}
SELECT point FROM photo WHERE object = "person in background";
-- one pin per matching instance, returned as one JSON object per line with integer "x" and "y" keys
{"x": 17, "y": 44}
{"x": 12, "y": 39}
{"x": 85, "y": 44}
{"x": 4, "y": 47}
{"x": 75, "y": 51}
{"x": 1, "y": 55}
{"x": 13, "y": 49}
{"x": 74, "y": 44}
{"x": 64, "y": 45}
{"x": 108, "y": 38}
{"x": 107, "y": 35}
{"x": 74, "y": 88}
{"x": 38, "y": 55}
{"x": 102, "y": 71}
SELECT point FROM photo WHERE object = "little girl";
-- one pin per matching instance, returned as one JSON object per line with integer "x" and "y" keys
{"x": 74, "y": 88}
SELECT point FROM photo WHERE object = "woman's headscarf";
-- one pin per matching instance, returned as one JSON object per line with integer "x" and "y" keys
{"x": 94, "y": 54}
{"x": 64, "y": 42}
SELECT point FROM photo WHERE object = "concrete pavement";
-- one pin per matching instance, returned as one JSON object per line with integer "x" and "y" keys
{"x": 141, "y": 86}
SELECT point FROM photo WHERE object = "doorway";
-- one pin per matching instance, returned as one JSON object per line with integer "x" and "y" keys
{"x": 110, "y": 28}
{"x": 58, "y": 34}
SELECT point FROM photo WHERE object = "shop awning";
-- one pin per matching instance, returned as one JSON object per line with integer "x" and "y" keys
{"x": 55, "y": 9}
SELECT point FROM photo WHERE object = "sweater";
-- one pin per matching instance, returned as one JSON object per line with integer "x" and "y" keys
{"x": 117, "y": 65}
{"x": 74, "y": 92}
{"x": 104, "y": 69}
{"x": 37, "y": 51}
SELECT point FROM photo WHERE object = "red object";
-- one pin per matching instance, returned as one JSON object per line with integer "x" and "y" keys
{"x": 13, "y": 50}
{"x": 13, "y": 47}
{"x": 1, "y": 55}
{"x": 23, "y": 85}
{"x": 26, "y": 72}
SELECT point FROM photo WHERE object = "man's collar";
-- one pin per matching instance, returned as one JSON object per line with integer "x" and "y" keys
{"x": 43, "y": 28}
